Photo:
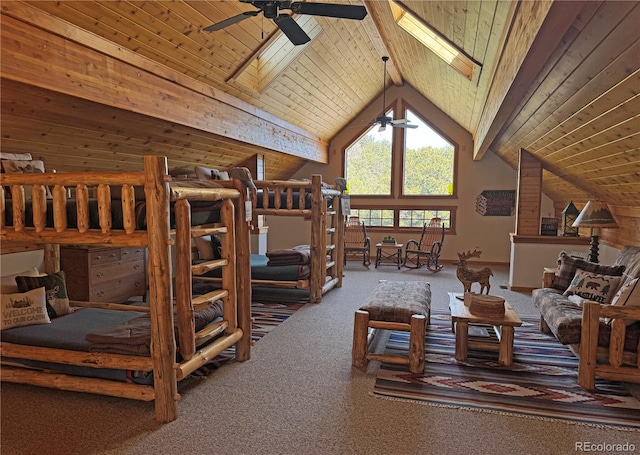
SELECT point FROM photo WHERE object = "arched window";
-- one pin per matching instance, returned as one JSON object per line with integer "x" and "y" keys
{"x": 368, "y": 162}
{"x": 409, "y": 169}
{"x": 428, "y": 161}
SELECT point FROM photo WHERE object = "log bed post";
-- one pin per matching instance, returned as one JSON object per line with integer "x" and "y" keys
{"x": 318, "y": 240}
{"x": 243, "y": 274}
{"x": 337, "y": 223}
{"x": 163, "y": 344}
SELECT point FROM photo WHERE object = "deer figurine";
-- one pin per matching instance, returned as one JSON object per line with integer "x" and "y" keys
{"x": 469, "y": 276}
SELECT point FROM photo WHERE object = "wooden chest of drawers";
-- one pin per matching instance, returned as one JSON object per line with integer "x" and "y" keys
{"x": 101, "y": 274}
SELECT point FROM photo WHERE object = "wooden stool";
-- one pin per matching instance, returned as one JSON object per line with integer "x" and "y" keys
{"x": 393, "y": 305}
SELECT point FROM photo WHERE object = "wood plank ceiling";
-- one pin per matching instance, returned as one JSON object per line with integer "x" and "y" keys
{"x": 576, "y": 108}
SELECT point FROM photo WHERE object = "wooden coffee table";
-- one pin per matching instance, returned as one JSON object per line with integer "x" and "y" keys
{"x": 461, "y": 319}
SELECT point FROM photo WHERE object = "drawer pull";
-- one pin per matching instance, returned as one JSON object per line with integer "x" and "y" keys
{"x": 125, "y": 253}
{"x": 99, "y": 274}
{"x": 100, "y": 293}
{"x": 113, "y": 255}
{"x": 136, "y": 267}
{"x": 98, "y": 257}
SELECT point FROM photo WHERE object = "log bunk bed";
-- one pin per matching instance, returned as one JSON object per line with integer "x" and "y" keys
{"x": 318, "y": 202}
{"x": 177, "y": 346}
{"x": 321, "y": 204}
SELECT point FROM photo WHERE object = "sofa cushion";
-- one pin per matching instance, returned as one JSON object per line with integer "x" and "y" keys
{"x": 569, "y": 265}
{"x": 563, "y": 317}
{"x": 593, "y": 286}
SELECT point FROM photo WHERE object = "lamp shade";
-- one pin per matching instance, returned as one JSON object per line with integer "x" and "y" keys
{"x": 595, "y": 214}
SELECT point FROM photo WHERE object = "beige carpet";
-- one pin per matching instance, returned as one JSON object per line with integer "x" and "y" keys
{"x": 297, "y": 395}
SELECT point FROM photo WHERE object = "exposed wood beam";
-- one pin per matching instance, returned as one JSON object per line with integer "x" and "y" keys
{"x": 379, "y": 40}
{"x": 536, "y": 30}
{"x": 159, "y": 91}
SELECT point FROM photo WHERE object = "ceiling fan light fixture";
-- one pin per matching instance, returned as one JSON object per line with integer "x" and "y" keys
{"x": 270, "y": 10}
{"x": 433, "y": 40}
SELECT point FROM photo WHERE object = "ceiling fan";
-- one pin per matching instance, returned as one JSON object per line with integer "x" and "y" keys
{"x": 285, "y": 22}
{"x": 384, "y": 120}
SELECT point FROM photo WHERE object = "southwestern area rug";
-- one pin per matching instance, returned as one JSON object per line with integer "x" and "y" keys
{"x": 541, "y": 382}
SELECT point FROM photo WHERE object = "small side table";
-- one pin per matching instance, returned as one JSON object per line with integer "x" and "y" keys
{"x": 390, "y": 253}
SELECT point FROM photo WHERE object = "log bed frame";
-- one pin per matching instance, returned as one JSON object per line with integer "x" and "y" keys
{"x": 327, "y": 231}
{"x": 235, "y": 327}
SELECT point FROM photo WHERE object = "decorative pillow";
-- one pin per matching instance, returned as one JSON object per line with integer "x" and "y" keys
{"x": 8, "y": 283}
{"x": 627, "y": 295}
{"x": 203, "y": 244}
{"x": 56, "y": 289}
{"x": 29, "y": 308}
{"x": 15, "y": 156}
{"x": 183, "y": 172}
{"x": 244, "y": 175}
{"x": 207, "y": 173}
{"x": 26, "y": 167}
{"x": 593, "y": 286}
{"x": 209, "y": 247}
{"x": 569, "y": 265}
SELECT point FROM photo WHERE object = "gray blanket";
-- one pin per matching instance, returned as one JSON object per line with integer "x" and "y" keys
{"x": 134, "y": 336}
{"x": 298, "y": 255}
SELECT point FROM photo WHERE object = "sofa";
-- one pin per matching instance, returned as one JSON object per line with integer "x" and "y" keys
{"x": 594, "y": 309}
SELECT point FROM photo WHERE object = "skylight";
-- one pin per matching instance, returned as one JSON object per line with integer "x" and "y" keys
{"x": 432, "y": 39}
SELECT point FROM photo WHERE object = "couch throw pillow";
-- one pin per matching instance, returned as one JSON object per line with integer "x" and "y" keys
{"x": 627, "y": 295}
{"x": 56, "y": 290}
{"x": 569, "y": 265}
{"x": 22, "y": 309}
{"x": 593, "y": 286}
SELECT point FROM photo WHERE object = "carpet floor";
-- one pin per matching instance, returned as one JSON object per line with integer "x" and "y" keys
{"x": 541, "y": 382}
{"x": 265, "y": 316}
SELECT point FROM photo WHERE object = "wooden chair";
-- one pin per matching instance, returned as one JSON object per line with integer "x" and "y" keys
{"x": 426, "y": 251}
{"x": 356, "y": 240}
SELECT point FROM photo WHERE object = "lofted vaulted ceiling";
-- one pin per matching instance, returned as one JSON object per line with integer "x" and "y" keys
{"x": 559, "y": 79}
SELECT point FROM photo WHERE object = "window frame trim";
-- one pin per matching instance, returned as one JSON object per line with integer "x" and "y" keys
{"x": 451, "y": 230}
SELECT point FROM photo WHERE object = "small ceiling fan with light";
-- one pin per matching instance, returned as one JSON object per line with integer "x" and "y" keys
{"x": 384, "y": 120}
{"x": 295, "y": 33}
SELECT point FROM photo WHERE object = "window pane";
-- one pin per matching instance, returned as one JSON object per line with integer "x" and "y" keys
{"x": 417, "y": 218}
{"x": 377, "y": 218}
{"x": 428, "y": 161}
{"x": 368, "y": 163}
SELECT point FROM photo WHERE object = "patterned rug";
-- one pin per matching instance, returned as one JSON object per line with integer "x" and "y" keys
{"x": 541, "y": 382}
{"x": 266, "y": 316}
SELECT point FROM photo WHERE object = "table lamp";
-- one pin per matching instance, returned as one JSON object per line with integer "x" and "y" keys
{"x": 595, "y": 215}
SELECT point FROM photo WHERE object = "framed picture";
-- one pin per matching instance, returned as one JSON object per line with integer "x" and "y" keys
{"x": 549, "y": 226}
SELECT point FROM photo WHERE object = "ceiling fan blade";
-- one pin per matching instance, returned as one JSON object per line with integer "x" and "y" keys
{"x": 232, "y": 20}
{"x": 291, "y": 28}
{"x": 403, "y": 125}
{"x": 330, "y": 10}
